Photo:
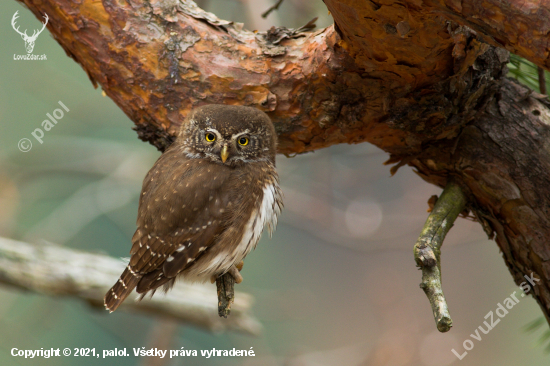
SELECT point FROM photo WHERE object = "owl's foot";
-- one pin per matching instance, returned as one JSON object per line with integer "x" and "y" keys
{"x": 240, "y": 265}
{"x": 233, "y": 271}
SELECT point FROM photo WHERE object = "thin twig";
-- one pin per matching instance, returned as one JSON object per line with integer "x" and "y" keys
{"x": 427, "y": 250}
{"x": 542, "y": 80}
{"x": 57, "y": 271}
{"x": 274, "y": 7}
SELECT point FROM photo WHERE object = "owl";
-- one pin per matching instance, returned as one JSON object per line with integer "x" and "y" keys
{"x": 204, "y": 203}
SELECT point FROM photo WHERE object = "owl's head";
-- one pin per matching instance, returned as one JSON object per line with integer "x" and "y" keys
{"x": 228, "y": 135}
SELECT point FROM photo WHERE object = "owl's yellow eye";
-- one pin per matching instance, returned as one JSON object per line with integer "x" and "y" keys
{"x": 243, "y": 141}
{"x": 210, "y": 137}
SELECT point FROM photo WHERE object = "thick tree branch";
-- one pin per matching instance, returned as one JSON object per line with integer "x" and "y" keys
{"x": 427, "y": 250}
{"x": 157, "y": 62}
{"x": 58, "y": 271}
{"x": 522, "y": 27}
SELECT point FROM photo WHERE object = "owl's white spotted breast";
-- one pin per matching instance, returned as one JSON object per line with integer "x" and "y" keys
{"x": 265, "y": 214}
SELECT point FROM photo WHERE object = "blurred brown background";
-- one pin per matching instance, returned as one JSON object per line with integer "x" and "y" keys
{"x": 336, "y": 285}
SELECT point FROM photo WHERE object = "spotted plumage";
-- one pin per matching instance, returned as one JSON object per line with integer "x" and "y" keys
{"x": 205, "y": 202}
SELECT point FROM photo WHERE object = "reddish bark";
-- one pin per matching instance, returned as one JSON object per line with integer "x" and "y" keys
{"x": 520, "y": 26}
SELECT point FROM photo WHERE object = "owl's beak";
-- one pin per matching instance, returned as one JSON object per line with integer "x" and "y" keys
{"x": 225, "y": 153}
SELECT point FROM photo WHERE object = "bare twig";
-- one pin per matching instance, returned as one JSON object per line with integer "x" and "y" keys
{"x": 57, "y": 271}
{"x": 427, "y": 250}
{"x": 542, "y": 80}
{"x": 274, "y": 7}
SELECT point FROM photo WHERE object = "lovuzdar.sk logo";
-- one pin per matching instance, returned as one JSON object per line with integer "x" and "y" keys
{"x": 29, "y": 40}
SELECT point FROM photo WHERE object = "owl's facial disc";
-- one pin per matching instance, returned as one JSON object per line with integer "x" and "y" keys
{"x": 247, "y": 134}
{"x": 228, "y": 147}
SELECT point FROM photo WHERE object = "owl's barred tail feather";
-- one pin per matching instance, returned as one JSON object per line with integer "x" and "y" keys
{"x": 122, "y": 288}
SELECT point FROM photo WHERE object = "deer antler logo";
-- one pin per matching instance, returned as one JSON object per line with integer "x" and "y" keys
{"x": 29, "y": 41}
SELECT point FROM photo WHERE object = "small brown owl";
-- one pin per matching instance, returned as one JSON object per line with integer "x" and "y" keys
{"x": 205, "y": 202}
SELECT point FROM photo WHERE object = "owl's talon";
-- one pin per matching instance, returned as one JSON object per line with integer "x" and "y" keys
{"x": 240, "y": 265}
{"x": 234, "y": 271}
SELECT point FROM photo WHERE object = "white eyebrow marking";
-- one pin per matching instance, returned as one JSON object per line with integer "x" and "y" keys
{"x": 245, "y": 132}
{"x": 212, "y": 130}
{"x": 218, "y": 135}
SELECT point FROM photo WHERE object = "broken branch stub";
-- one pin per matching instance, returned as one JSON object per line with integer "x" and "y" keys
{"x": 427, "y": 250}
{"x": 225, "y": 286}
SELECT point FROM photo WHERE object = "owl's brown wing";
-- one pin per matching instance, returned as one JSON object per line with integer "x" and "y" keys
{"x": 182, "y": 210}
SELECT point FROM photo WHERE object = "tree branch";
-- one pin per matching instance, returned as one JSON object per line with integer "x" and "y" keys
{"x": 427, "y": 250}
{"x": 57, "y": 271}
{"x": 225, "y": 286}
{"x": 519, "y": 26}
{"x": 271, "y": 8}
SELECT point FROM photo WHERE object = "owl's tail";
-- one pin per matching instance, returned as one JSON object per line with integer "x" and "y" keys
{"x": 122, "y": 288}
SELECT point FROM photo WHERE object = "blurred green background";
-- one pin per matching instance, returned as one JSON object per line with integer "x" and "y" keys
{"x": 337, "y": 283}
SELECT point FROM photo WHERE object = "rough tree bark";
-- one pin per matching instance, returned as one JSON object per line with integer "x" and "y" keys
{"x": 421, "y": 79}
